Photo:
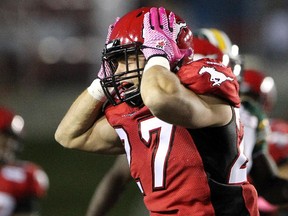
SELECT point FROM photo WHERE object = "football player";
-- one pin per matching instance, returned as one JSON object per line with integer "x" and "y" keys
{"x": 176, "y": 119}
{"x": 109, "y": 189}
{"x": 278, "y": 144}
{"x": 22, "y": 183}
{"x": 278, "y": 149}
{"x": 261, "y": 88}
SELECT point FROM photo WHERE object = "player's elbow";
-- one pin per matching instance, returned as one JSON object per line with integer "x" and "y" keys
{"x": 63, "y": 139}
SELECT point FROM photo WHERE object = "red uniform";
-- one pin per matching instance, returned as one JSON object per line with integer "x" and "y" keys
{"x": 20, "y": 183}
{"x": 188, "y": 172}
{"x": 278, "y": 140}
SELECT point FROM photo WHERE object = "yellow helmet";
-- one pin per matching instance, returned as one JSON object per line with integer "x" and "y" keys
{"x": 216, "y": 37}
{"x": 230, "y": 51}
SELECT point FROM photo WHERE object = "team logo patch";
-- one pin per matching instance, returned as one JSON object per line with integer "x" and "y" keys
{"x": 215, "y": 76}
{"x": 160, "y": 44}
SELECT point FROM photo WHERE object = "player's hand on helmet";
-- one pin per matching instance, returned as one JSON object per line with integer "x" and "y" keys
{"x": 96, "y": 89}
{"x": 160, "y": 35}
{"x": 105, "y": 69}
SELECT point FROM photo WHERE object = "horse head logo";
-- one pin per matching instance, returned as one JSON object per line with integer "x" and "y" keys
{"x": 215, "y": 76}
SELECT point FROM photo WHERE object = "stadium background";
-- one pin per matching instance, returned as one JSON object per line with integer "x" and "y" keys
{"x": 50, "y": 51}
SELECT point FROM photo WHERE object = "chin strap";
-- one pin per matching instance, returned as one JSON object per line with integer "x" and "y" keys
{"x": 136, "y": 101}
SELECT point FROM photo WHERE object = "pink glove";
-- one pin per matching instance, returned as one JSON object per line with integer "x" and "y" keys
{"x": 104, "y": 65}
{"x": 104, "y": 69}
{"x": 159, "y": 35}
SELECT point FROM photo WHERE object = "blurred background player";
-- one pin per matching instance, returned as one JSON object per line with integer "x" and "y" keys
{"x": 278, "y": 148}
{"x": 256, "y": 107}
{"x": 278, "y": 144}
{"x": 22, "y": 183}
{"x": 262, "y": 89}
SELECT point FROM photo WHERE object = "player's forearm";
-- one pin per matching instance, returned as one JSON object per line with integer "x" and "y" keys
{"x": 102, "y": 201}
{"x": 157, "y": 87}
{"x": 108, "y": 192}
{"x": 161, "y": 93}
{"x": 76, "y": 125}
{"x": 164, "y": 95}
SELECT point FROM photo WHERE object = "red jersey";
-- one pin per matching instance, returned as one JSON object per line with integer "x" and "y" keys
{"x": 278, "y": 140}
{"x": 188, "y": 172}
{"x": 23, "y": 182}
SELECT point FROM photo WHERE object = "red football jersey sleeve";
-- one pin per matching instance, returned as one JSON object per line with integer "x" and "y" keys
{"x": 207, "y": 76}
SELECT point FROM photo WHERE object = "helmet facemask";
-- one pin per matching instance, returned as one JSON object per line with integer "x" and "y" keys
{"x": 118, "y": 88}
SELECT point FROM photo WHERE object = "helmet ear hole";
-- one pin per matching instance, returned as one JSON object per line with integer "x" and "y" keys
{"x": 139, "y": 14}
